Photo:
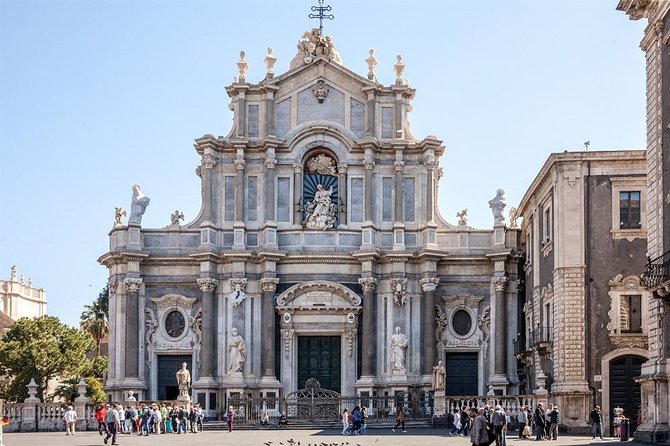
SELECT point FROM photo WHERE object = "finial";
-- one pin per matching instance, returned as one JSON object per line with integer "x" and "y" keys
{"x": 13, "y": 273}
{"x": 372, "y": 63}
{"x": 399, "y": 68}
{"x": 242, "y": 65}
{"x": 269, "y": 60}
{"x": 321, "y": 9}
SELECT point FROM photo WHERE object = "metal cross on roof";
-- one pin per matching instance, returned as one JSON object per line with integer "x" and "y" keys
{"x": 321, "y": 9}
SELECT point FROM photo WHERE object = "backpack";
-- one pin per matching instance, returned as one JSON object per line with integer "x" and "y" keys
{"x": 553, "y": 417}
{"x": 357, "y": 415}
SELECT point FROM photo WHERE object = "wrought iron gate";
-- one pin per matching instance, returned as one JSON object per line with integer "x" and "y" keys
{"x": 313, "y": 404}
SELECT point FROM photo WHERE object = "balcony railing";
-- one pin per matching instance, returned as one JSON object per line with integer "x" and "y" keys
{"x": 541, "y": 335}
{"x": 657, "y": 271}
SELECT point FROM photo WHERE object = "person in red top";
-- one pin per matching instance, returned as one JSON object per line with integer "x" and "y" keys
{"x": 100, "y": 413}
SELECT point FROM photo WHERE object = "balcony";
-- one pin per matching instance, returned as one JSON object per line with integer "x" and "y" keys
{"x": 656, "y": 275}
{"x": 541, "y": 339}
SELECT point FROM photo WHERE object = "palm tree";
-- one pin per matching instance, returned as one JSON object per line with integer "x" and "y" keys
{"x": 95, "y": 319}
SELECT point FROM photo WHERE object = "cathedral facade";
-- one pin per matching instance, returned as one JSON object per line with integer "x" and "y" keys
{"x": 319, "y": 252}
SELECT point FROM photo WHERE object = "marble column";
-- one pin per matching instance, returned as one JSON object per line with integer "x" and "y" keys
{"x": 368, "y": 328}
{"x": 132, "y": 326}
{"x": 428, "y": 285}
{"x": 270, "y": 164}
{"x": 370, "y": 128}
{"x": 398, "y": 214}
{"x": 208, "y": 329}
{"x": 297, "y": 194}
{"x": 369, "y": 165}
{"x": 430, "y": 189}
{"x": 240, "y": 164}
{"x": 342, "y": 190}
{"x": 500, "y": 348}
{"x": 206, "y": 166}
{"x": 269, "y": 285}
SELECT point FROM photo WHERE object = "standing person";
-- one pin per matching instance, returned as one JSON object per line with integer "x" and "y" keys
{"x": 229, "y": 416}
{"x": 499, "y": 420}
{"x": 70, "y": 417}
{"x": 345, "y": 421}
{"x": 112, "y": 420}
{"x": 547, "y": 424}
{"x": 181, "y": 416}
{"x": 466, "y": 421}
{"x": 478, "y": 433}
{"x": 539, "y": 420}
{"x": 522, "y": 420}
{"x": 130, "y": 414}
{"x": 554, "y": 420}
{"x": 596, "y": 417}
{"x": 100, "y": 418}
{"x": 164, "y": 417}
{"x": 364, "y": 421}
{"x": 357, "y": 418}
{"x": 400, "y": 419}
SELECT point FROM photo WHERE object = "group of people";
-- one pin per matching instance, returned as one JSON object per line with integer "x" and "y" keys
{"x": 545, "y": 422}
{"x": 354, "y": 423}
{"x": 147, "y": 419}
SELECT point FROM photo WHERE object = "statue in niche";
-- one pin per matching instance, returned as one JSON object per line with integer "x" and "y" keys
{"x": 238, "y": 295}
{"x": 138, "y": 205}
{"x": 497, "y": 205}
{"x": 399, "y": 344}
{"x": 237, "y": 352}
{"x": 320, "y": 212}
{"x": 439, "y": 373}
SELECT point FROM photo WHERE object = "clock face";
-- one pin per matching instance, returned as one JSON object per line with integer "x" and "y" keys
{"x": 175, "y": 324}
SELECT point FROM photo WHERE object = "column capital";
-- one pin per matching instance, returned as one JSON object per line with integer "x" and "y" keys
{"x": 369, "y": 164}
{"x": 430, "y": 163}
{"x": 270, "y": 163}
{"x": 240, "y": 163}
{"x": 342, "y": 169}
{"x": 499, "y": 282}
{"x": 207, "y": 162}
{"x": 207, "y": 284}
{"x": 269, "y": 283}
{"x": 297, "y": 168}
{"x": 132, "y": 284}
{"x": 429, "y": 284}
{"x": 111, "y": 286}
{"x": 398, "y": 165}
{"x": 368, "y": 283}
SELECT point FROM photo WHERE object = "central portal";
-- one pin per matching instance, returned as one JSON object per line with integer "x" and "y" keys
{"x": 320, "y": 357}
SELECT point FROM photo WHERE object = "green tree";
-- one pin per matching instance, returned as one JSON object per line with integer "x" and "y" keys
{"x": 42, "y": 348}
{"x": 95, "y": 318}
{"x": 68, "y": 390}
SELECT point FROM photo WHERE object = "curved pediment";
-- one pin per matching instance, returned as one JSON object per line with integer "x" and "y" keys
{"x": 318, "y": 294}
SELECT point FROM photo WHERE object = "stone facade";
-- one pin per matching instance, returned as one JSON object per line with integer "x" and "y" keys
{"x": 654, "y": 381}
{"x": 582, "y": 273}
{"x": 319, "y": 222}
{"x": 19, "y": 298}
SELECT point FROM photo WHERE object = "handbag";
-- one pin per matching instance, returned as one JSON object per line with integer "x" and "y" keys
{"x": 526, "y": 431}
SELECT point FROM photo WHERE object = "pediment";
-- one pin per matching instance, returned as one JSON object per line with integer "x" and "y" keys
{"x": 318, "y": 294}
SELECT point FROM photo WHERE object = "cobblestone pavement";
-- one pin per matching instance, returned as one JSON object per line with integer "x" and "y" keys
{"x": 375, "y": 437}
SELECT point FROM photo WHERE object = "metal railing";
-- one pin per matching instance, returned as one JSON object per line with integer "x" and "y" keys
{"x": 542, "y": 335}
{"x": 657, "y": 271}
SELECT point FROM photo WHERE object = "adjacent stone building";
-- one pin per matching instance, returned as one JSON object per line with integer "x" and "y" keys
{"x": 584, "y": 335}
{"x": 319, "y": 252}
{"x": 19, "y": 298}
{"x": 655, "y": 372}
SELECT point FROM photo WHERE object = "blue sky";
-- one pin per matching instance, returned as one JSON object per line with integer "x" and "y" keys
{"x": 98, "y": 95}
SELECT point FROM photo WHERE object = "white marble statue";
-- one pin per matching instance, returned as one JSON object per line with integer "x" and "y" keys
{"x": 462, "y": 217}
{"x": 513, "y": 215}
{"x": 138, "y": 205}
{"x": 439, "y": 373}
{"x": 243, "y": 65}
{"x": 320, "y": 212}
{"x": 175, "y": 217}
{"x": 183, "y": 380}
{"x": 399, "y": 69}
{"x": 118, "y": 213}
{"x": 399, "y": 344}
{"x": 237, "y": 296}
{"x": 497, "y": 205}
{"x": 237, "y": 352}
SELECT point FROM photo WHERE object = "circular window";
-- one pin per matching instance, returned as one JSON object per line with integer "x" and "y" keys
{"x": 175, "y": 324}
{"x": 461, "y": 322}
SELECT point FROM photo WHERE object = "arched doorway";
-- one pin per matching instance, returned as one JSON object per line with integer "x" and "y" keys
{"x": 624, "y": 390}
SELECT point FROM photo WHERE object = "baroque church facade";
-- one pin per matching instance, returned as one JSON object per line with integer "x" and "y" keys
{"x": 319, "y": 252}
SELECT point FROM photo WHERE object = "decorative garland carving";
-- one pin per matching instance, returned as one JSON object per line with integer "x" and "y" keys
{"x": 399, "y": 290}
{"x": 287, "y": 336}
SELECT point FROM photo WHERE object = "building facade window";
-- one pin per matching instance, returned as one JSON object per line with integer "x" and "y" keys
{"x": 629, "y": 300}
{"x": 629, "y": 210}
{"x": 630, "y": 314}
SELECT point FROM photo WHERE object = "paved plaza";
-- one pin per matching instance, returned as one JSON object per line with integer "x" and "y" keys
{"x": 414, "y": 437}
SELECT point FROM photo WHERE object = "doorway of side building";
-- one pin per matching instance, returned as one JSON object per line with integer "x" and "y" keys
{"x": 167, "y": 375}
{"x": 624, "y": 390}
{"x": 462, "y": 373}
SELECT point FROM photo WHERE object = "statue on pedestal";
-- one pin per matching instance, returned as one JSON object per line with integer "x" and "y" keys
{"x": 237, "y": 352}
{"x": 138, "y": 205}
{"x": 399, "y": 344}
{"x": 439, "y": 373}
{"x": 183, "y": 381}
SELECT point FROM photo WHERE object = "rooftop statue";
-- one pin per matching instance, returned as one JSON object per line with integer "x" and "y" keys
{"x": 312, "y": 45}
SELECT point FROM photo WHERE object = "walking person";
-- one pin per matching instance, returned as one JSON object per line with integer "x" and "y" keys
{"x": 345, "y": 421}
{"x": 479, "y": 433}
{"x": 229, "y": 416}
{"x": 112, "y": 420}
{"x": 539, "y": 421}
{"x": 596, "y": 417}
{"x": 466, "y": 421}
{"x": 100, "y": 413}
{"x": 130, "y": 414}
{"x": 499, "y": 420}
{"x": 554, "y": 420}
{"x": 70, "y": 417}
{"x": 400, "y": 419}
{"x": 457, "y": 423}
{"x": 522, "y": 420}
{"x": 547, "y": 424}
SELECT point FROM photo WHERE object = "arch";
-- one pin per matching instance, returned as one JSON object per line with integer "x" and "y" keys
{"x": 605, "y": 361}
{"x": 288, "y": 296}
{"x": 312, "y": 134}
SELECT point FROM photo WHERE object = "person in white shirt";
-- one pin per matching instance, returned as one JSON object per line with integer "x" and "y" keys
{"x": 70, "y": 418}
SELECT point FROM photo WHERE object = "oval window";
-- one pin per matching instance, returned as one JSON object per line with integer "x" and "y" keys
{"x": 461, "y": 322}
{"x": 175, "y": 324}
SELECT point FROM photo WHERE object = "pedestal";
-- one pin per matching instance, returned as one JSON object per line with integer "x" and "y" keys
{"x": 440, "y": 404}
{"x": 184, "y": 400}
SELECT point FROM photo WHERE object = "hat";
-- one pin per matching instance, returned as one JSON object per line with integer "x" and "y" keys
{"x": 69, "y": 407}
{"x": 498, "y": 407}
{"x": 108, "y": 406}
